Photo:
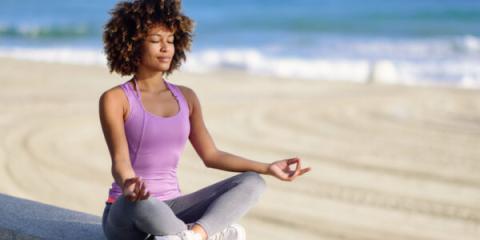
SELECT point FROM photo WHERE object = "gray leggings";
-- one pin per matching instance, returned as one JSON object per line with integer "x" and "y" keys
{"x": 213, "y": 207}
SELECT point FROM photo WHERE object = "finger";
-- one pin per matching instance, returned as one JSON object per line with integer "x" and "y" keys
{"x": 291, "y": 176}
{"x": 147, "y": 195}
{"x": 141, "y": 188}
{"x": 138, "y": 184}
{"x": 292, "y": 160}
{"x": 133, "y": 179}
{"x": 302, "y": 171}
{"x": 305, "y": 170}
{"x": 142, "y": 191}
{"x": 296, "y": 172}
{"x": 137, "y": 189}
{"x": 130, "y": 181}
{"x": 132, "y": 197}
{"x": 126, "y": 186}
{"x": 282, "y": 175}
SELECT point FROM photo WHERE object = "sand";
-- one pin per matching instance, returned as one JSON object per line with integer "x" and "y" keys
{"x": 388, "y": 162}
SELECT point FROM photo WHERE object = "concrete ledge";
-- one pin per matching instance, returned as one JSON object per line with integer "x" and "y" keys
{"x": 28, "y": 220}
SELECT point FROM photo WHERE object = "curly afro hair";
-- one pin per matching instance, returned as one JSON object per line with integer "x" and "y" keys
{"x": 128, "y": 26}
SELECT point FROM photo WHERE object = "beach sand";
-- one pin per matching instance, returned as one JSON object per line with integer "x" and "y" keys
{"x": 388, "y": 162}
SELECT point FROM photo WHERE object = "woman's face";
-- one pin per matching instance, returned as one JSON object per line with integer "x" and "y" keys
{"x": 158, "y": 49}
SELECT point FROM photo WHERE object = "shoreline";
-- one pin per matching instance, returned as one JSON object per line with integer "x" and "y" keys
{"x": 347, "y": 69}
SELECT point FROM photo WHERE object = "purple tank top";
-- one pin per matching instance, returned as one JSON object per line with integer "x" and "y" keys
{"x": 155, "y": 144}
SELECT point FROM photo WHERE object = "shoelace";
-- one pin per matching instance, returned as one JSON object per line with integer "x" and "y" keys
{"x": 217, "y": 236}
{"x": 227, "y": 232}
{"x": 184, "y": 235}
{"x": 189, "y": 235}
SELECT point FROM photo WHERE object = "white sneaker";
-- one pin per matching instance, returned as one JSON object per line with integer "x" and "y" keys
{"x": 190, "y": 235}
{"x": 234, "y": 231}
{"x": 185, "y": 235}
{"x": 190, "y": 225}
{"x": 166, "y": 237}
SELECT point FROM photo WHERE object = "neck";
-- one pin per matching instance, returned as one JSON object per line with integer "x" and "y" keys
{"x": 150, "y": 81}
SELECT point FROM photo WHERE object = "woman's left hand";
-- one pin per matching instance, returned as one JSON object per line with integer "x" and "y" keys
{"x": 281, "y": 169}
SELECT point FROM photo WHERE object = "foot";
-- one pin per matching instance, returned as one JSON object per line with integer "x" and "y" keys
{"x": 234, "y": 231}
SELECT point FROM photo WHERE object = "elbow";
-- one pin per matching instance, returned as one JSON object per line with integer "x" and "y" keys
{"x": 210, "y": 159}
{"x": 207, "y": 163}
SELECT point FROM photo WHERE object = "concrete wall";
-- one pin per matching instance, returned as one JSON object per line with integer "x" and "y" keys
{"x": 25, "y": 219}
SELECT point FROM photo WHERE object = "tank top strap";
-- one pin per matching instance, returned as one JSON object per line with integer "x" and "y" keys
{"x": 178, "y": 94}
{"x": 125, "y": 88}
{"x": 134, "y": 94}
{"x": 128, "y": 89}
{"x": 135, "y": 104}
{"x": 129, "y": 92}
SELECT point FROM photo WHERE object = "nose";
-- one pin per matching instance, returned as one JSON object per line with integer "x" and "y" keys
{"x": 163, "y": 46}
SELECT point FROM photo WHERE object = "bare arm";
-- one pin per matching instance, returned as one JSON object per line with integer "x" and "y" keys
{"x": 230, "y": 162}
{"x": 215, "y": 158}
{"x": 205, "y": 147}
{"x": 111, "y": 118}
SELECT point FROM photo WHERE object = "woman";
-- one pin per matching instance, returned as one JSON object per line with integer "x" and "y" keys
{"x": 146, "y": 122}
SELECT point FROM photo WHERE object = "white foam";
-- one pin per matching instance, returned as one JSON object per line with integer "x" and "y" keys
{"x": 254, "y": 62}
{"x": 456, "y": 72}
{"x": 461, "y": 72}
{"x": 471, "y": 44}
{"x": 62, "y": 55}
{"x": 383, "y": 71}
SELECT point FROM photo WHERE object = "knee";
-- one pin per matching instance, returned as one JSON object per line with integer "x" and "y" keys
{"x": 253, "y": 181}
{"x": 150, "y": 216}
{"x": 134, "y": 205}
{"x": 136, "y": 209}
{"x": 142, "y": 207}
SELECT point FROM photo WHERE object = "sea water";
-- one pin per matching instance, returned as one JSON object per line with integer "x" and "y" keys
{"x": 398, "y": 41}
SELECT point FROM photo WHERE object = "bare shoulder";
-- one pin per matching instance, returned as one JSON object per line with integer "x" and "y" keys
{"x": 114, "y": 94}
{"x": 190, "y": 96}
{"x": 114, "y": 98}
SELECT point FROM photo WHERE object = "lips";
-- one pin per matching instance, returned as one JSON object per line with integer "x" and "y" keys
{"x": 163, "y": 59}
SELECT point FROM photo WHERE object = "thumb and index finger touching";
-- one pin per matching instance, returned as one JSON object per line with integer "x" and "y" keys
{"x": 298, "y": 169}
{"x": 139, "y": 190}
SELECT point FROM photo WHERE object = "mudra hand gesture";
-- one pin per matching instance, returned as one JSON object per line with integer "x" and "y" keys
{"x": 281, "y": 169}
{"x": 134, "y": 189}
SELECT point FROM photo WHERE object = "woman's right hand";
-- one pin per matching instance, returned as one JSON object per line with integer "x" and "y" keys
{"x": 134, "y": 189}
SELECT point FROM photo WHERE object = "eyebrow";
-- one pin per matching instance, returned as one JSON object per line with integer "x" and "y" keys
{"x": 156, "y": 34}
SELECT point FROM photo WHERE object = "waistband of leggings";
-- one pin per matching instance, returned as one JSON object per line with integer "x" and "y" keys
{"x": 110, "y": 200}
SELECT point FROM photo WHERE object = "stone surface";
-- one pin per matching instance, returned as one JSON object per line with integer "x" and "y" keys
{"x": 25, "y": 219}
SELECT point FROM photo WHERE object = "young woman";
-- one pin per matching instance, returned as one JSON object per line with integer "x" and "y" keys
{"x": 146, "y": 122}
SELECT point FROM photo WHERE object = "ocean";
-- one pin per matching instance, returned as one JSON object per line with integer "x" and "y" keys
{"x": 397, "y": 41}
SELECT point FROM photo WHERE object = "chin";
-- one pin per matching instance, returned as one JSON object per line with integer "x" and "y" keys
{"x": 161, "y": 68}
